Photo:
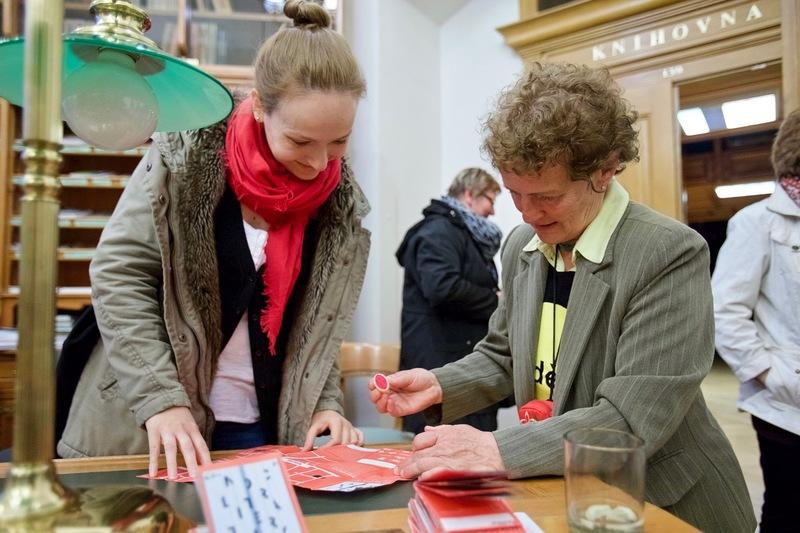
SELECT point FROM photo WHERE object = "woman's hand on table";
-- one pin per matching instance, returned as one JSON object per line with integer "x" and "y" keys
{"x": 460, "y": 447}
{"x": 172, "y": 429}
{"x": 341, "y": 430}
{"x": 409, "y": 392}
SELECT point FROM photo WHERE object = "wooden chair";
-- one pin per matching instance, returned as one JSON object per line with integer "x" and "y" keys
{"x": 361, "y": 359}
{"x": 358, "y": 359}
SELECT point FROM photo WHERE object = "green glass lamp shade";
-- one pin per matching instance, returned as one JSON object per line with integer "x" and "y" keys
{"x": 187, "y": 97}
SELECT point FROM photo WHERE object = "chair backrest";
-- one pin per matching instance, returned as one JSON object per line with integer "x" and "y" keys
{"x": 359, "y": 359}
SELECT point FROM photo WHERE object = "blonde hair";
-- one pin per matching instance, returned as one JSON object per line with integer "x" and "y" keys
{"x": 305, "y": 57}
{"x": 786, "y": 147}
{"x": 558, "y": 113}
{"x": 475, "y": 180}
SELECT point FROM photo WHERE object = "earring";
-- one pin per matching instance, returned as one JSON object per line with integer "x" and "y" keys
{"x": 257, "y": 117}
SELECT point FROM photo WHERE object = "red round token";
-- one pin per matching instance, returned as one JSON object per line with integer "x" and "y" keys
{"x": 381, "y": 382}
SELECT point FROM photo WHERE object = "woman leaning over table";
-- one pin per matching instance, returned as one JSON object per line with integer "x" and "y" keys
{"x": 606, "y": 311}
{"x": 227, "y": 277}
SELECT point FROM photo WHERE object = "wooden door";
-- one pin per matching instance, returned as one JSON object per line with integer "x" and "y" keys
{"x": 655, "y": 180}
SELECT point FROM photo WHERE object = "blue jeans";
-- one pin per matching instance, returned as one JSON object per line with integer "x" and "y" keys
{"x": 235, "y": 436}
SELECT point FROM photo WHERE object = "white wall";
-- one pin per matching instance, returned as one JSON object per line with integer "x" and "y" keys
{"x": 428, "y": 84}
{"x": 476, "y": 65}
{"x": 395, "y": 148}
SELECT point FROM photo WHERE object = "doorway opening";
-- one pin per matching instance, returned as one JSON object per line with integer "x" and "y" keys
{"x": 728, "y": 123}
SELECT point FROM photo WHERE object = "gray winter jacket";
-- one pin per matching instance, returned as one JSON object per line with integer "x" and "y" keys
{"x": 155, "y": 290}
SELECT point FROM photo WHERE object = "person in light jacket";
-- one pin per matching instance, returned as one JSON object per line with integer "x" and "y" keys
{"x": 227, "y": 277}
{"x": 608, "y": 299}
{"x": 756, "y": 285}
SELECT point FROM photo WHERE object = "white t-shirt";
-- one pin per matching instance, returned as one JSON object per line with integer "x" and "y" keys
{"x": 233, "y": 391}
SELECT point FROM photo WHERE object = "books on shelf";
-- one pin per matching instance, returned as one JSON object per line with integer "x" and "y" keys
{"x": 65, "y": 253}
{"x": 214, "y": 6}
{"x": 9, "y": 338}
{"x": 72, "y": 24}
{"x": 78, "y": 292}
{"x": 169, "y": 43}
{"x": 160, "y": 5}
{"x": 222, "y": 6}
{"x": 72, "y": 144}
{"x": 204, "y": 42}
{"x": 74, "y": 218}
{"x": 94, "y": 180}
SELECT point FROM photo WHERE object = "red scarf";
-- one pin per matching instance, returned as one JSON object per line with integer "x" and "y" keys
{"x": 283, "y": 200}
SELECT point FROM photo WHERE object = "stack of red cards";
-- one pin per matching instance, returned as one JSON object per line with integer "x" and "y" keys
{"x": 452, "y": 502}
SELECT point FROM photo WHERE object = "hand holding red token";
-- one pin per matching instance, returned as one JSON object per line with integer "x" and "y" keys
{"x": 381, "y": 382}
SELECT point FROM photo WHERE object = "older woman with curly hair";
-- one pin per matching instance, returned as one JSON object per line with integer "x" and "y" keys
{"x": 606, "y": 320}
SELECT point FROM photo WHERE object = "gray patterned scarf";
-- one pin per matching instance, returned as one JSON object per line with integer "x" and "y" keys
{"x": 487, "y": 234}
{"x": 791, "y": 184}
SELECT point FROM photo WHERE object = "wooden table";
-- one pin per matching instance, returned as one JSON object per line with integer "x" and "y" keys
{"x": 378, "y": 510}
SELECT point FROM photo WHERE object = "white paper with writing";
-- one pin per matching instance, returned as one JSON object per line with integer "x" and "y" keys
{"x": 250, "y": 497}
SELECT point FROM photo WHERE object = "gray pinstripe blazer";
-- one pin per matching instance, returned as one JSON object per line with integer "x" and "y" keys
{"x": 637, "y": 342}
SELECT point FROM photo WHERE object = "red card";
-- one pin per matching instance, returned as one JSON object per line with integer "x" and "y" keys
{"x": 341, "y": 468}
{"x": 446, "y": 475}
{"x": 454, "y": 515}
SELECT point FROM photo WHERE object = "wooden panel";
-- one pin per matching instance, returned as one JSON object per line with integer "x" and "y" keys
{"x": 7, "y": 378}
{"x": 790, "y": 37}
{"x": 627, "y": 38}
{"x": 697, "y": 168}
{"x": 636, "y": 178}
{"x": 731, "y": 85}
{"x": 746, "y": 164}
{"x": 656, "y": 179}
{"x": 527, "y": 9}
{"x": 704, "y": 206}
{"x": 728, "y": 163}
{"x": 742, "y": 156}
{"x": 572, "y": 19}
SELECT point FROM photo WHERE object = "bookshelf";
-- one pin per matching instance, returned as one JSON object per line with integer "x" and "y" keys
{"x": 92, "y": 181}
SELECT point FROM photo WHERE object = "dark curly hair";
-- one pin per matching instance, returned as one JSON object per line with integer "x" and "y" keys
{"x": 786, "y": 148}
{"x": 558, "y": 113}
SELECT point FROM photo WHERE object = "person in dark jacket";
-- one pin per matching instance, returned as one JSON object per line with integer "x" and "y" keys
{"x": 450, "y": 285}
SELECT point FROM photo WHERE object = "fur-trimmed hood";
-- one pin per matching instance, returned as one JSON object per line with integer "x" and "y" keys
{"x": 156, "y": 292}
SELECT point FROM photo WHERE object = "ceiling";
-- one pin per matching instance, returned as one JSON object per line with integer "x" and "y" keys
{"x": 438, "y": 10}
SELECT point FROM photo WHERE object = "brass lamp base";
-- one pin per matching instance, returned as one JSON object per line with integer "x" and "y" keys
{"x": 32, "y": 490}
{"x": 34, "y": 500}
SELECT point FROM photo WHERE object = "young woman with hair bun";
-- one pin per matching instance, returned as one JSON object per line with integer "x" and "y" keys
{"x": 226, "y": 279}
